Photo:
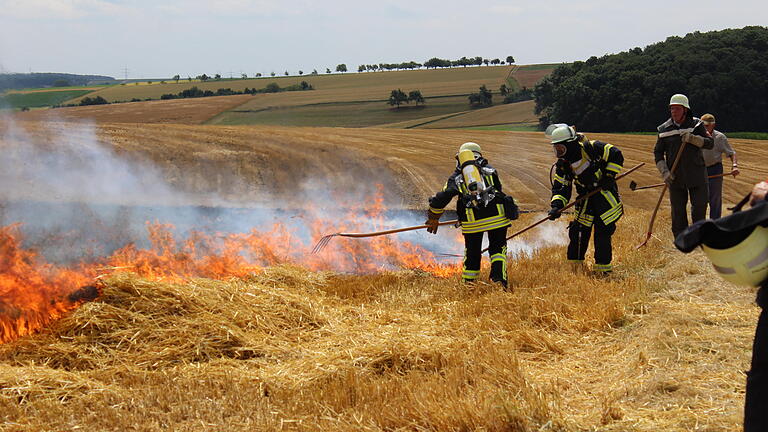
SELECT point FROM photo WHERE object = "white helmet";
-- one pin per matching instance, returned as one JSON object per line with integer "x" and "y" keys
{"x": 470, "y": 146}
{"x": 745, "y": 263}
{"x": 562, "y": 133}
{"x": 679, "y": 99}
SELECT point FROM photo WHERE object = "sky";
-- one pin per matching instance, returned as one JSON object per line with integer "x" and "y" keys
{"x": 159, "y": 39}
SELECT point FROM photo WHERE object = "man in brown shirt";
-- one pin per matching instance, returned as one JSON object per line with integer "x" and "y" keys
{"x": 713, "y": 158}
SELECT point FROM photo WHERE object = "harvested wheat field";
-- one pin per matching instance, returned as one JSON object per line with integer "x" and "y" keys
{"x": 184, "y": 337}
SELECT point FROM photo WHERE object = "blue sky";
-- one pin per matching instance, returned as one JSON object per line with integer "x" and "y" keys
{"x": 158, "y": 39}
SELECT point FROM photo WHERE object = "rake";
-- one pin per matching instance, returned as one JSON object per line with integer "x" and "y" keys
{"x": 323, "y": 242}
{"x": 661, "y": 195}
{"x": 633, "y": 185}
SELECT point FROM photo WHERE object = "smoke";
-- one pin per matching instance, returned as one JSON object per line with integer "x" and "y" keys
{"x": 80, "y": 197}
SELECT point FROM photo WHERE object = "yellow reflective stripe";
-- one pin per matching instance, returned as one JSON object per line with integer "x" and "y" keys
{"x": 500, "y": 209}
{"x": 470, "y": 274}
{"x": 561, "y": 180}
{"x": 498, "y": 257}
{"x": 612, "y": 215}
{"x": 610, "y": 198}
{"x": 489, "y": 180}
{"x": 486, "y": 221}
{"x": 445, "y": 187}
{"x": 606, "y": 151}
{"x": 476, "y": 229}
{"x": 602, "y": 267}
{"x": 436, "y": 210}
{"x": 580, "y": 165}
{"x": 561, "y": 198}
{"x": 470, "y": 215}
{"x": 613, "y": 167}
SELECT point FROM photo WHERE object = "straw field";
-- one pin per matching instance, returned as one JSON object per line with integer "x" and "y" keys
{"x": 661, "y": 345}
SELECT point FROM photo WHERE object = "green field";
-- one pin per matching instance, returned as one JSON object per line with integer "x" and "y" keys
{"x": 39, "y": 99}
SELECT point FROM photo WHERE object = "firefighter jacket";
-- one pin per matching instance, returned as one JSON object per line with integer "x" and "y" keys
{"x": 595, "y": 159}
{"x": 691, "y": 170}
{"x": 473, "y": 219}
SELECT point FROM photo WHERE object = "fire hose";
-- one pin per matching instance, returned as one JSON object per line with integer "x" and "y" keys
{"x": 323, "y": 242}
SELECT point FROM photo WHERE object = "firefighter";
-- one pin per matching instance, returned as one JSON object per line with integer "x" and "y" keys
{"x": 690, "y": 176}
{"x": 590, "y": 165}
{"x": 482, "y": 207}
{"x": 737, "y": 245}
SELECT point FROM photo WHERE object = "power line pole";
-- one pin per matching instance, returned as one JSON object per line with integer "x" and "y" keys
{"x": 125, "y": 73}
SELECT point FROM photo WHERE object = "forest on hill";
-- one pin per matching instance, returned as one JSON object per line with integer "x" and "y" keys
{"x": 35, "y": 80}
{"x": 722, "y": 72}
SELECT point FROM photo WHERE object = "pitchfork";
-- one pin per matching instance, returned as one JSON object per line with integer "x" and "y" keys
{"x": 324, "y": 240}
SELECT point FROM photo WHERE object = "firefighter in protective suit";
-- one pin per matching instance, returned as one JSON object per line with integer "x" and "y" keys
{"x": 481, "y": 207}
{"x": 590, "y": 165}
{"x": 737, "y": 246}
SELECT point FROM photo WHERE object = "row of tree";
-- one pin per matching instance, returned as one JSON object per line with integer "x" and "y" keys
{"x": 195, "y": 92}
{"x": 397, "y": 97}
{"x": 721, "y": 72}
{"x": 433, "y": 63}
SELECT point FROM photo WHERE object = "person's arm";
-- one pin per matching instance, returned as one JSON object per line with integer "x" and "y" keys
{"x": 731, "y": 154}
{"x": 561, "y": 193}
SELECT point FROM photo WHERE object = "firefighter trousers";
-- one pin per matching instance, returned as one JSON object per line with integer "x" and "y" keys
{"x": 755, "y": 413}
{"x": 678, "y": 200}
{"x": 579, "y": 240}
{"x": 497, "y": 250}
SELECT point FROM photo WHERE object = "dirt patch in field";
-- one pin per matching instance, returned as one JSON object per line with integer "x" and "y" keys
{"x": 181, "y": 111}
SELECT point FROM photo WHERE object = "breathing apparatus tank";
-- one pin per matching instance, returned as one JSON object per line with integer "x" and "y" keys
{"x": 473, "y": 179}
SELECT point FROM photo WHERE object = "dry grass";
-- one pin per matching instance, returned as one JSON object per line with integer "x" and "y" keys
{"x": 659, "y": 346}
{"x": 296, "y": 350}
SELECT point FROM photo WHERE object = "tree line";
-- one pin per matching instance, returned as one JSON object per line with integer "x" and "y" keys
{"x": 721, "y": 72}
{"x": 195, "y": 92}
{"x": 434, "y": 63}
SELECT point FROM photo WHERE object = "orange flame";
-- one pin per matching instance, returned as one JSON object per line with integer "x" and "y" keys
{"x": 34, "y": 293}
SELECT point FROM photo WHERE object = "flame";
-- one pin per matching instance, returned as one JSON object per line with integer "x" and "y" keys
{"x": 34, "y": 293}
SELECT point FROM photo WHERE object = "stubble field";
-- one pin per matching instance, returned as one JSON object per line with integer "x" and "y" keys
{"x": 662, "y": 345}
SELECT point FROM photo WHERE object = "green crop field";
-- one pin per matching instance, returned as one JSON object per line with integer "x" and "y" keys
{"x": 39, "y": 98}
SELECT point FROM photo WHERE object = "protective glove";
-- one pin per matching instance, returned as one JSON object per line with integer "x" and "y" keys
{"x": 510, "y": 208}
{"x": 607, "y": 180}
{"x": 694, "y": 139}
{"x": 554, "y": 213}
{"x": 432, "y": 222}
{"x": 667, "y": 176}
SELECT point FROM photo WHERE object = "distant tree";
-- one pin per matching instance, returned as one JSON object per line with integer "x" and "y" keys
{"x": 286, "y": 73}
{"x": 477, "y": 61}
{"x": 503, "y": 90}
{"x": 189, "y": 78}
{"x": 327, "y": 70}
{"x": 176, "y": 78}
{"x": 341, "y": 68}
{"x": 361, "y": 68}
{"x": 23, "y": 109}
{"x": 217, "y": 77}
{"x": 301, "y": 72}
{"x": 415, "y": 96}
{"x": 98, "y": 100}
{"x": 314, "y": 71}
{"x": 61, "y": 83}
{"x": 523, "y": 94}
{"x": 149, "y": 82}
{"x": 244, "y": 76}
{"x": 272, "y": 73}
{"x": 495, "y": 61}
{"x": 397, "y": 97}
{"x": 510, "y": 59}
{"x": 486, "y": 61}
{"x": 203, "y": 77}
{"x": 272, "y": 88}
{"x": 481, "y": 99}
{"x": 258, "y": 74}
{"x": 162, "y": 82}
